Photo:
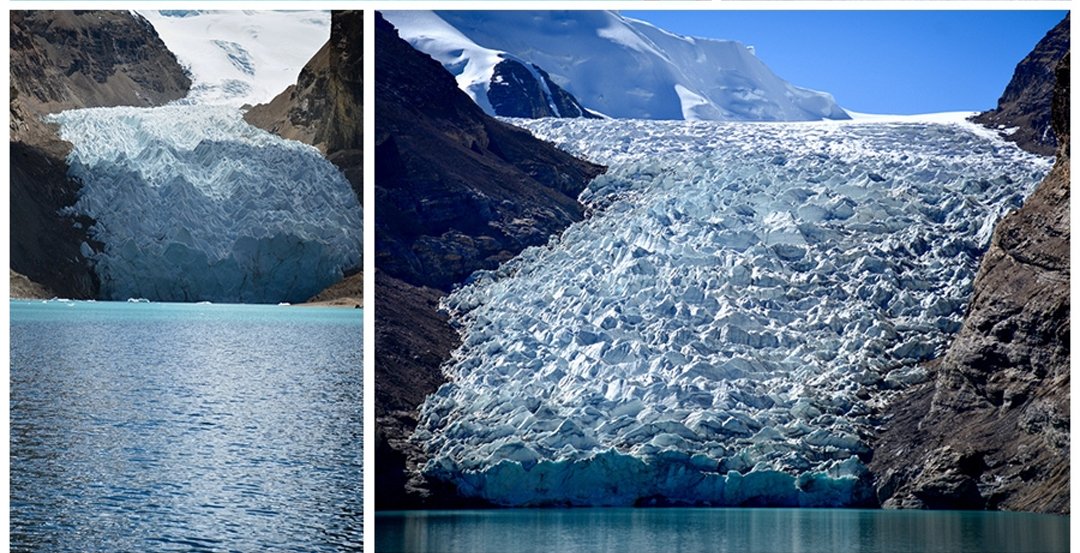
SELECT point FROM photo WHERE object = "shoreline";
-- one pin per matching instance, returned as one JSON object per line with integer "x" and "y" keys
{"x": 348, "y": 302}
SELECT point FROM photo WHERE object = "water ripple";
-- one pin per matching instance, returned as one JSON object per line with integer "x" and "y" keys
{"x": 135, "y": 429}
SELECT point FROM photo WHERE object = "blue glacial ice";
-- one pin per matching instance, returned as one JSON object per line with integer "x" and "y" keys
{"x": 194, "y": 204}
{"x": 721, "y": 329}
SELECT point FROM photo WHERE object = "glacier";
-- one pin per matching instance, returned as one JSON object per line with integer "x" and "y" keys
{"x": 722, "y": 328}
{"x": 615, "y": 66}
{"x": 193, "y": 204}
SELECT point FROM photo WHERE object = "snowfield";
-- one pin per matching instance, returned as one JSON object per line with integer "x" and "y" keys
{"x": 238, "y": 58}
{"x": 194, "y": 204}
{"x": 615, "y": 66}
{"x": 719, "y": 330}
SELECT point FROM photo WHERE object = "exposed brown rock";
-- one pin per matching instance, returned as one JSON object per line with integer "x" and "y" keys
{"x": 1025, "y": 104}
{"x": 347, "y": 292}
{"x": 63, "y": 60}
{"x": 79, "y": 59}
{"x": 991, "y": 430}
{"x": 22, "y": 288}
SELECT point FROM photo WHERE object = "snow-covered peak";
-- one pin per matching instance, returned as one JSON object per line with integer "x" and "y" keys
{"x": 613, "y": 65}
{"x": 241, "y": 57}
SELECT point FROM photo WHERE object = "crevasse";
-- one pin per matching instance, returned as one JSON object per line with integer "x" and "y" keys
{"x": 191, "y": 203}
{"x": 720, "y": 331}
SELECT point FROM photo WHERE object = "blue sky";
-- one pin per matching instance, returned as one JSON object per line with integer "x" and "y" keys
{"x": 895, "y": 62}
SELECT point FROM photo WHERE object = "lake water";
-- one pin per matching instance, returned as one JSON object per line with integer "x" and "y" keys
{"x": 719, "y": 530}
{"x": 181, "y": 427}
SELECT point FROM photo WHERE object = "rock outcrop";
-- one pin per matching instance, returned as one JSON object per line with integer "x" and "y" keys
{"x": 325, "y": 106}
{"x": 1023, "y": 111}
{"x": 522, "y": 89}
{"x": 62, "y": 60}
{"x": 991, "y": 430}
{"x": 25, "y": 289}
{"x": 456, "y": 191}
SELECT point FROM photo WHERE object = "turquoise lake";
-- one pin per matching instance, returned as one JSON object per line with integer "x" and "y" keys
{"x": 718, "y": 530}
{"x": 185, "y": 427}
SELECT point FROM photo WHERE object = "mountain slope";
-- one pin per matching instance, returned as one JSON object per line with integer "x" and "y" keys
{"x": 75, "y": 59}
{"x": 1024, "y": 107}
{"x": 456, "y": 191}
{"x": 991, "y": 431}
{"x": 613, "y": 65}
{"x": 62, "y": 60}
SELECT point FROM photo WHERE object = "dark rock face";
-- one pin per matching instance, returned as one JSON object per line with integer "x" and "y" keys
{"x": 519, "y": 91}
{"x": 991, "y": 431}
{"x": 63, "y": 60}
{"x": 411, "y": 340}
{"x": 325, "y": 106}
{"x": 456, "y": 191}
{"x": 1025, "y": 104}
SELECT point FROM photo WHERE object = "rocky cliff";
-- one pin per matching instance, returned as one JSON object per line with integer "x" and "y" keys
{"x": 325, "y": 106}
{"x": 456, "y": 191}
{"x": 991, "y": 430}
{"x": 522, "y": 89}
{"x": 1023, "y": 111}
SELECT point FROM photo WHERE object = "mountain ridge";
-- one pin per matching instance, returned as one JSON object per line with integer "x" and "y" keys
{"x": 1023, "y": 112}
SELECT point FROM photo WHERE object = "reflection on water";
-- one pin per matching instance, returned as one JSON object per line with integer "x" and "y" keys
{"x": 157, "y": 427}
{"x": 720, "y": 530}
